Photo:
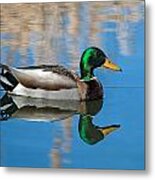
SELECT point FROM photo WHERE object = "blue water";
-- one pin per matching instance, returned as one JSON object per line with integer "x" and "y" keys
{"x": 29, "y": 143}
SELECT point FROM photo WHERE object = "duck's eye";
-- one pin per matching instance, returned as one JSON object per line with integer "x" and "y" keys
{"x": 98, "y": 53}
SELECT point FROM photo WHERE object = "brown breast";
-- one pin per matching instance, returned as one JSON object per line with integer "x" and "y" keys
{"x": 90, "y": 90}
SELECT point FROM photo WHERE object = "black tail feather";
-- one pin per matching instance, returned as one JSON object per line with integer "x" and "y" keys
{"x": 7, "y": 80}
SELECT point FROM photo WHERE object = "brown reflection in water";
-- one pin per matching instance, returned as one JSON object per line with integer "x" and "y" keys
{"x": 62, "y": 144}
{"x": 55, "y": 153}
{"x": 41, "y": 26}
{"x": 44, "y": 26}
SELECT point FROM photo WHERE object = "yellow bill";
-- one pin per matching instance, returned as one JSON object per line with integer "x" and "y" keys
{"x": 110, "y": 65}
{"x": 109, "y": 129}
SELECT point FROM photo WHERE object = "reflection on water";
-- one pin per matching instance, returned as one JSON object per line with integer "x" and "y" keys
{"x": 49, "y": 110}
{"x": 58, "y": 32}
{"x": 41, "y": 133}
{"x": 46, "y": 110}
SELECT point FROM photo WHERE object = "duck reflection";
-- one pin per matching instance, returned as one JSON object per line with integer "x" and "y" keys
{"x": 46, "y": 110}
{"x": 89, "y": 132}
{"x": 34, "y": 109}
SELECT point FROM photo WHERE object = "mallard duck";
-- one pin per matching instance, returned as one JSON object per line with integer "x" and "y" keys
{"x": 57, "y": 82}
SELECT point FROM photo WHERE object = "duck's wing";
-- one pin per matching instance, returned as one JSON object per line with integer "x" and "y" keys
{"x": 45, "y": 77}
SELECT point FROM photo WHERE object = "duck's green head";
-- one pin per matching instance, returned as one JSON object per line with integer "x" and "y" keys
{"x": 92, "y": 58}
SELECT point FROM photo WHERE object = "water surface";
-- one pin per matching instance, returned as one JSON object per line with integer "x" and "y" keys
{"x": 58, "y": 33}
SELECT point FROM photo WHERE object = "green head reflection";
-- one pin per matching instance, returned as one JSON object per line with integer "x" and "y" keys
{"x": 89, "y": 132}
{"x": 92, "y": 134}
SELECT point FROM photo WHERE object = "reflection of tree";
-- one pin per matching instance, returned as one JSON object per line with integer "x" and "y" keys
{"x": 48, "y": 32}
{"x": 18, "y": 20}
{"x": 73, "y": 30}
{"x": 61, "y": 144}
{"x": 56, "y": 152}
{"x": 123, "y": 15}
{"x": 125, "y": 32}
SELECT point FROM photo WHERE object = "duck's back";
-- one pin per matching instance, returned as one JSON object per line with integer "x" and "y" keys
{"x": 45, "y": 77}
{"x": 50, "y": 82}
